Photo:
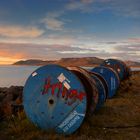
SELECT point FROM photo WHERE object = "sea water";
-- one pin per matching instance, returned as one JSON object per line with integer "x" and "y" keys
{"x": 14, "y": 75}
{"x": 17, "y": 75}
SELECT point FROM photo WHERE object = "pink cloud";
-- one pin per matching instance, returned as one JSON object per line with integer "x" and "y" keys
{"x": 134, "y": 40}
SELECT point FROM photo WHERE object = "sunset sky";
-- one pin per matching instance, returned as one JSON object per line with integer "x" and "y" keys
{"x": 52, "y": 29}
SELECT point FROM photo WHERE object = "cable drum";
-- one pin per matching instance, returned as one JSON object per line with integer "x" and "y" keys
{"x": 127, "y": 71}
{"x": 119, "y": 66}
{"x": 59, "y": 99}
{"x": 90, "y": 87}
{"x": 111, "y": 78}
{"x": 54, "y": 98}
{"x": 102, "y": 89}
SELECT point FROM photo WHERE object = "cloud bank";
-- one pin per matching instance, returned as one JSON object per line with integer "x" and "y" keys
{"x": 20, "y": 31}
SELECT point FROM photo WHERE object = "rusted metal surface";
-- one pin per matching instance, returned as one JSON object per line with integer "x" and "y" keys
{"x": 102, "y": 87}
{"x": 90, "y": 87}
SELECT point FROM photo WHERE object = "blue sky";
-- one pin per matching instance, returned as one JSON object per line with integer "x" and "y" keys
{"x": 52, "y": 29}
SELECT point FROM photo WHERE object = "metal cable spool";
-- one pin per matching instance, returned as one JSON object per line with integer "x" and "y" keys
{"x": 58, "y": 98}
{"x": 102, "y": 88}
{"x": 90, "y": 87}
{"x": 127, "y": 71}
{"x": 111, "y": 78}
{"x": 54, "y": 98}
{"x": 118, "y": 65}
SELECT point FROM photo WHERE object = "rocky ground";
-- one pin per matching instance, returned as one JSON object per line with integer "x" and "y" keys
{"x": 8, "y": 98}
{"x": 119, "y": 119}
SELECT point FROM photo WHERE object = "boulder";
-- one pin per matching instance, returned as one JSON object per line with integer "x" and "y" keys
{"x": 10, "y": 101}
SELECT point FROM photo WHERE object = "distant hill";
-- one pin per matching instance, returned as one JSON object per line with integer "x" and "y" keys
{"x": 33, "y": 62}
{"x": 132, "y": 63}
{"x": 85, "y": 61}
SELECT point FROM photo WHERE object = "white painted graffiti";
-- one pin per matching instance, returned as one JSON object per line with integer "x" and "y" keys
{"x": 113, "y": 83}
{"x": 61, "y": 78}
{"x": 34, "y": 74}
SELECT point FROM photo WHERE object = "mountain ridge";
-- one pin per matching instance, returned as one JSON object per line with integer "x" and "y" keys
{"x": 83, "y": 61}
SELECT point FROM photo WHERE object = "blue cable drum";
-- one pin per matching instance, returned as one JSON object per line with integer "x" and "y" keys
{"x": 111, "y": 78}
{"x": 55, "y": 99}
{"x": 90, "y": 86}
{"x": 102, "y": 89}
{"x": 127, "y": 71}
{"x": 118, "y": 65}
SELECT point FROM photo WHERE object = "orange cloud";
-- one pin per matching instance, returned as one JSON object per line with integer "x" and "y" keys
{"x": 19, "y": 31}
{"x": 16, "y": 55}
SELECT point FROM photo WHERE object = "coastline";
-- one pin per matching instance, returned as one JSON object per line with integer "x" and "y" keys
{"x": 123, "y": 111}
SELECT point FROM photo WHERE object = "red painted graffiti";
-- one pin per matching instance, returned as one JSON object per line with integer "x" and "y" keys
{"x": 59, "y": 89}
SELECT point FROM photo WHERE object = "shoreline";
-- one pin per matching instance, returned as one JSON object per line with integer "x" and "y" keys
{"x": 123, "y": 111}
{"x": 22, "y": 85}
{"x": 88, "y": 65}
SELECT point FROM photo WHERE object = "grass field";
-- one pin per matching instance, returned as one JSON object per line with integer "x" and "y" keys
{"x": 119, "y": 119}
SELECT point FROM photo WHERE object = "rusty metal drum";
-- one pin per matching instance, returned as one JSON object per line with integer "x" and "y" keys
{"x": 102, "y": 89}
{"x": 90, "y": 87}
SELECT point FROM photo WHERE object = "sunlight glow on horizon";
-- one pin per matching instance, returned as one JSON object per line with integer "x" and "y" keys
{"x": 7, "y": 60}
{"x": 49, "y": 30}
